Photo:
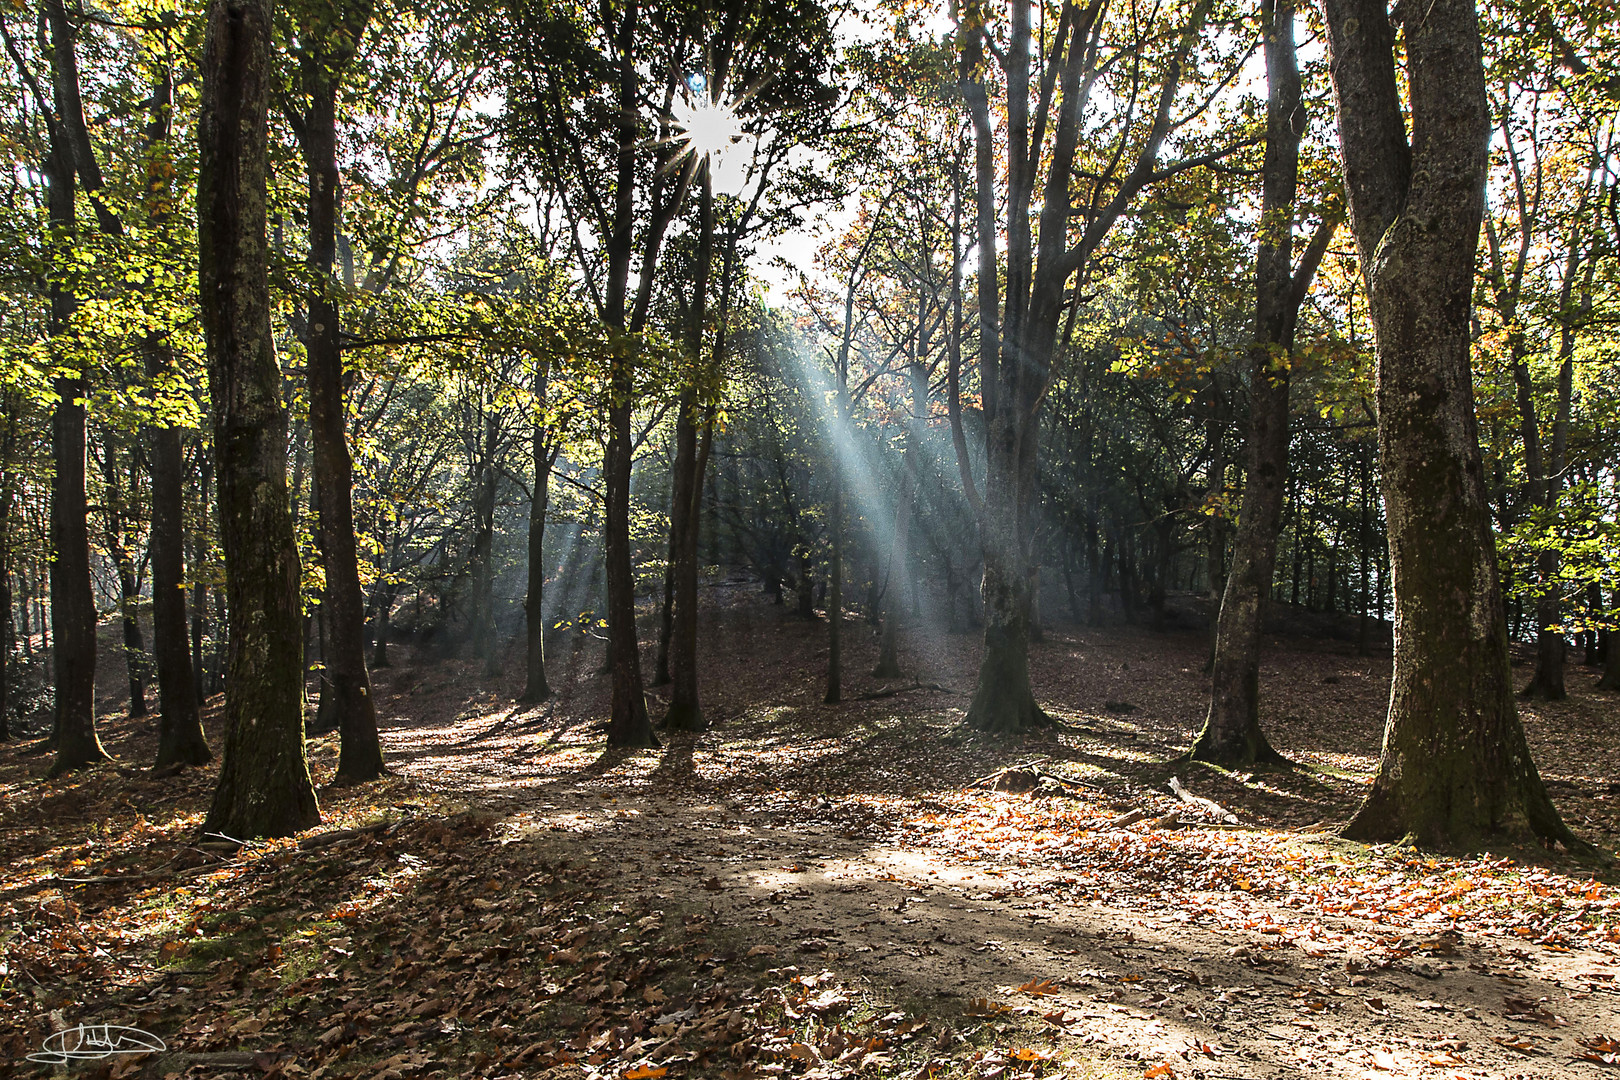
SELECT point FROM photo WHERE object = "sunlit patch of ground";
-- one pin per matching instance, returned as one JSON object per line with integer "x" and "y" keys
{"x": 813, "y": 890}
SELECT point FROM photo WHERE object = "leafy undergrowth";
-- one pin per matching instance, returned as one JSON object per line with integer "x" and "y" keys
{"x": 809, "y": 891}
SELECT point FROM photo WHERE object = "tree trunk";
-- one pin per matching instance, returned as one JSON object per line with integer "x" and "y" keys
{"x": 346, "y": 698}
{"x": 180, "y": 732}
{"x": 73, "y": 608}
{"x": 1455, "y": 768}
{"x": 8, "y": 495}
{"x": 264, "y": 782}
{"x": 202, "y": 662}
{"x": 535, "y": 687}
{"x": 835, "y": 593}
{"x": 694, "y": 432}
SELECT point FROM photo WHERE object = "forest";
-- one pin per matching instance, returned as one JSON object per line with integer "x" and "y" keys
{"x": 827, "y": 538}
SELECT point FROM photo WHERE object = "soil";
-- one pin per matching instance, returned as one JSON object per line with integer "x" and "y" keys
{"x": 830, "y": 892}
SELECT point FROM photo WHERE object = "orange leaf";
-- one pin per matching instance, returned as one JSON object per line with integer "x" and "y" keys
{"x": 1160, "y": 1070}
{"x": 645, "y": 1072}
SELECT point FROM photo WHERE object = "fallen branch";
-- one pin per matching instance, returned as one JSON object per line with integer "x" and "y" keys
{"x": 1209, "y": 806}
{"x": 171, "y": 1064}
{"x": 1130, "y": 818}
{"x": 311, "y": 843}
{"x": 1028, "y": 776}
{"x": 338, "y": 836}
{"x": 888, "y": 692}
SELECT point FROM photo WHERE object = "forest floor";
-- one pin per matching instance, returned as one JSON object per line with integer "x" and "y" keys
{"x": 820, "y": 891}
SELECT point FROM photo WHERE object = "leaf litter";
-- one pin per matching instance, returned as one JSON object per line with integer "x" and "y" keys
{"x": 818, "y": 892}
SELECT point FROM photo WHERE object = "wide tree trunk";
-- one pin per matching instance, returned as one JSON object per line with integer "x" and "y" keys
{"x": 691, "y": 457}
{"x": 264, "y": 782}
{"x": 1003, "y": 699}
{"x": 1231, "y": 733}
{"x": 1455, "y": 768}
{"x": 351, "y": 707}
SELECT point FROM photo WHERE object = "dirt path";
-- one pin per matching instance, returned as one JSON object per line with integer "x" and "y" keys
{"x": 839, "y": 844}
{"x": 1263, "y": 989}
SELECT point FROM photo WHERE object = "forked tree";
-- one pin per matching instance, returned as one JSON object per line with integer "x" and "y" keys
{"x": 1455, "y": 768}
{"x": 1022, "y": 303}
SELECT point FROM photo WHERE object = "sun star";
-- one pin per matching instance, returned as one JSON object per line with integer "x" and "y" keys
{"x": 706, "y": 126}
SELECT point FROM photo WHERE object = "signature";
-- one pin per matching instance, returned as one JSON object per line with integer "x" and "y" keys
{"x": 92, "y": 1042}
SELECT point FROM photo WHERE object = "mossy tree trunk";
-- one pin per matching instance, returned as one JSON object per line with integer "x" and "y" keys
{"x": 1455, "y": 770}
{"x": 264, "y": 783}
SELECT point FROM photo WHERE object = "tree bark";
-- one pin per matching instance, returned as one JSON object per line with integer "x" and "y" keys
{"x": 180, "y": 732}
{"x": 115, "y": 514}
{"x": 1231, "y": 733}
{"x": 332, "y": 36}
{"x": 73, "y": 609}
{"x": 264, "y": 783}
{"x": 535, "y": 687}
{"x": 8, "y": 498}
{"x": 1455, "y": 769}
{"x": 693, "y": 432}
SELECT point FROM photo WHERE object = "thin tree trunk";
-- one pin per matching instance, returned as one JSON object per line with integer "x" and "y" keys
{"x": 180, "y": 732}
{"x": 1455, "y": 768}
{"x": 115, "y": 516}
{"x": 264, "y": 783}
{"x": 346, "y": 697}
{"x": 685, "y": 711}
{"x": 535, "y": 687}
{"x": 73, "y": 610}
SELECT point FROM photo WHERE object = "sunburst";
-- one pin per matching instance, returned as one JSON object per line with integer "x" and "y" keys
{"x": 706, "y": 126}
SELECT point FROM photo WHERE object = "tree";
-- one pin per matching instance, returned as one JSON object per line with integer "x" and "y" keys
{"x": 1455, "y": 768}
{"x": 1231, "y": 733}
{"x": 1021, "y": 306}
{"x": 73, "y": 607}
{"x": 328, "y": 36}
{"x": 264, "y": 783}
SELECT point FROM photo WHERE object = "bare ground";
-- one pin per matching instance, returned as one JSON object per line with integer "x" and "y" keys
{"x": 826, "y": 893}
